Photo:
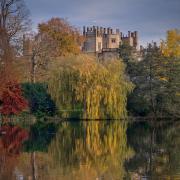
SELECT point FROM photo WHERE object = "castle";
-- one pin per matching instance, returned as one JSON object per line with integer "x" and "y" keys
{"x": 102, "y": 41}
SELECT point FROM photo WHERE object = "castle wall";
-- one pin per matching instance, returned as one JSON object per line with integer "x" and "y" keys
{"x": 107, "y": 54}
{"x": 99, "y": 44}
{"x": 90, "y": 44}
{"x": 113, "y": 41}
{"x": 128, "y": 41}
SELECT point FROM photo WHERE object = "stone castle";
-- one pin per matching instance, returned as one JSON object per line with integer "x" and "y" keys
{"x": 100, "y": 40}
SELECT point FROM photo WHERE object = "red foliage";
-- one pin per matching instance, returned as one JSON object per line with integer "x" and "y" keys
{"x": 12, "y": 100}
{"x": 13, "y": 138}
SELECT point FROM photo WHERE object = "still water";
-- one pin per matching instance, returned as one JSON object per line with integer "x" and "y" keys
{"x": 94, "y": 150}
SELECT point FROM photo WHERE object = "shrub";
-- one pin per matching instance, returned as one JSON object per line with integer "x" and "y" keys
{"x": 40, "y": 101}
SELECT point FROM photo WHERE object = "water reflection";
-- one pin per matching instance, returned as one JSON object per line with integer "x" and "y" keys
{"x": 11, "y": 141}
{"x": 156, "y": 147}
{"x": 91, "y": 150}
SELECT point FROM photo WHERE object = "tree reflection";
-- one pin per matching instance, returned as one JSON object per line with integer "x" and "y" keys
{"x": 157, "y": 150}
{"x": 90, "y": 150}
{"x": 12, "y": 138}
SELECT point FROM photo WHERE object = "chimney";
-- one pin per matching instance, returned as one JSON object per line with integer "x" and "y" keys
{"x": 117, "y": 31}
{"x": 129, "y": 33}
{"x": 84, "y": 30}
{"x": 135, "y": 33}
{"x": 94, "y": 29}
{"x": 108, "y": 30}
{"x": 101, "y": 30}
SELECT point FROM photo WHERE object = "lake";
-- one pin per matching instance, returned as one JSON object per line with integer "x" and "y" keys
{"x": 91, "y": 150}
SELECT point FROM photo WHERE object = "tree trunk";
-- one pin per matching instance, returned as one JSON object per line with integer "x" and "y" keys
{"x": 33, "y": 69}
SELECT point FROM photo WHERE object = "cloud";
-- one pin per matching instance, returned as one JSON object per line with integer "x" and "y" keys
{"x": 152, "y": 18}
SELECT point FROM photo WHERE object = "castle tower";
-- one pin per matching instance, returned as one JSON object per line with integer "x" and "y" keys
{"x": 135, "y": 40}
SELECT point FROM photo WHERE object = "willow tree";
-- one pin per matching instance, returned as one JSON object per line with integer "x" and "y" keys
{"x": 92, "y": 89}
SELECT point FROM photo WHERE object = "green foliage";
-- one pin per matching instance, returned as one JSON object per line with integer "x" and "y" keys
{"x": 41, "y": 135}
{"x": 40, "y": 101}
{"x": 126, "y": 53}
{"x": 156, "y": 147}
{"x": 157, "y": 85}
{"x": 137, "y": 105}
{"x": 95, "y": 90}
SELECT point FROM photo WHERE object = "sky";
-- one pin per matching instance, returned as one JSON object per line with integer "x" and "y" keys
{"x": 151, "y": 18}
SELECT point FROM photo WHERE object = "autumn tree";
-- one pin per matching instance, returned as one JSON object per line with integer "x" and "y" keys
{"x": 12, "y": 101}
{"x": 94, "y": 90}
{"x": 55, "y": 38}
{"x": 171, "y": 47}
{"x": 60, "y": 37}
{"x": 14, "y": 20}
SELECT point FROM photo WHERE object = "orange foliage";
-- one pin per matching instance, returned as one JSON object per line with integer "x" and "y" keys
{"x": 60, "y": 37}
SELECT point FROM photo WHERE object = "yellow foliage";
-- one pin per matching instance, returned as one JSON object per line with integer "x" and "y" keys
{"x": 172, "y": 45}
{"x": 100, "y": 88}
{"x": 93, "y": 148}
{"x": 61, "y": 37}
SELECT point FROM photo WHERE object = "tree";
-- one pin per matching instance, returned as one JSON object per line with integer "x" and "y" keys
{"x": 37, "y": 52}
{"x": 94, "y": 90}
{"x": 55, "y": 38}
{"x": 40, "y": 102}
{"x": 13, "y": 22}
{"x": 149, "y": 84}
{"x": 171, "y": 47}
{"x": 12, "y": 100}
{"x": 14, "y": 18}
{"x": 171, "y": 51}
{"x": 127, "y": 54}
{"x": 157, "y": 80}
{"x": 60, "y": 37}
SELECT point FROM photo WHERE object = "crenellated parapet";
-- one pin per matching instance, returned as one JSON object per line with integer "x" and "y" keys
{"x": 99, "y": 31}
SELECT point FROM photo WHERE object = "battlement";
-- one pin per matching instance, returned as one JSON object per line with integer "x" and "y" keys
{"x": 99, "y": 31}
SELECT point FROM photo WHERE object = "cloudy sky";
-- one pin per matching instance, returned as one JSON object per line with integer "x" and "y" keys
{"x": 152, "y": 18}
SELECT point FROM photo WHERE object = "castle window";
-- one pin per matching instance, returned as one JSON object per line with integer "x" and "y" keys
{"x": 113, "y": 40}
